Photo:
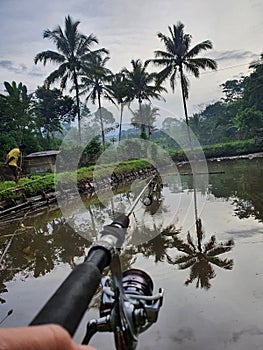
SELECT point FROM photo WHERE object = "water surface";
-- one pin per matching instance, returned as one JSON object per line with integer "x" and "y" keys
{"x": 213, "y": 281}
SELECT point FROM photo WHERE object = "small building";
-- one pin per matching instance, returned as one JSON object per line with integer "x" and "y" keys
{"x": 40, "y": 162}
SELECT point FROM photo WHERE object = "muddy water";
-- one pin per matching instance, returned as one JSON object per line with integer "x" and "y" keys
{"x": 212, "y": 277}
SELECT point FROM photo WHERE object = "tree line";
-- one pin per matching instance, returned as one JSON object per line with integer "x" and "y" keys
{"x": 40, "y": 118}
{"x": 237, "y": 116}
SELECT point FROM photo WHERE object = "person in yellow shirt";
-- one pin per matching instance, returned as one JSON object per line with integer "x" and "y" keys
{"x": 12, "y": 159}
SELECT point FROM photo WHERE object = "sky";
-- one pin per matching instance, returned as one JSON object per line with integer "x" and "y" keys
{"x": 128, "y": 29}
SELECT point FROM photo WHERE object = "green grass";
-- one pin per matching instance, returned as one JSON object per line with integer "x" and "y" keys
{"x": 29, "y": 187}
{"x": 38, "y": 183}
{"x": 227, "y": 149}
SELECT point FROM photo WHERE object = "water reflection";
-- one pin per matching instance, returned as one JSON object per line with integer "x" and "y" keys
{"x": 197, "y": 255}
{"x": 197, "y": 261}
{"x": 239, "y": 181}
{"x": 200, "y": 257}
{"x": 158, "y": 246}
{"x": 37, "y": 248}
{"x": 242, "y": 184}
{"x": 35, "y": 252}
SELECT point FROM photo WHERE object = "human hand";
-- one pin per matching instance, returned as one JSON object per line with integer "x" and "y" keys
{"x": 47, "y": 337}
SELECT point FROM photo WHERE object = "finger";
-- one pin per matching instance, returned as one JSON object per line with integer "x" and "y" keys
{"x": 50, "y": 337}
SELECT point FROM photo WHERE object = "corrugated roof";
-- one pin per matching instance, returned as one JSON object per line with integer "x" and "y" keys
{"x": 42, "y": 154}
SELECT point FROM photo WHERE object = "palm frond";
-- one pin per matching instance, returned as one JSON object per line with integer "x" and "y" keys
{"x": 51, "y": 56}
{"x": 220, "y": 249}
{"x": 55, "y": 75}
{"x": 190, "y": 241}
{"x": 184, "y": 259}
{"x": 203, "y": 63}
{"x": 182, "y": 246}
{"x": 204, "y": 45}
{"x": 210, "y": 244}
{"x": 226, "y": 264}
{"x": 186, "y": 265}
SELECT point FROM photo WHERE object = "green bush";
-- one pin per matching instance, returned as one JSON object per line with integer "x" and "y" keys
{"x": 227, "y": 149}
{"x": 37, "y": 183}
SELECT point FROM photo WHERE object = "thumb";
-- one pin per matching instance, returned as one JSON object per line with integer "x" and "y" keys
{"x": 85, "y": 347}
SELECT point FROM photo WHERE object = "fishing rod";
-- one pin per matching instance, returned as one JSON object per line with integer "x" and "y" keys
{"x": 135, "y": 202}
{"x": 127, "y": 309}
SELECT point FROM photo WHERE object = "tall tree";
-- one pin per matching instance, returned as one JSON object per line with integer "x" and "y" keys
{"x": 233, "y": 89}
{"x": 74, "y": 49}
{"x": 147, "y": 116}
{"x": 142, "y": 85}
{"x": 94, "y": 82}
{"x": 52, "y": 110}
{"x": 121, "y": 93}
{"x": 253, "y": 91}
{"x": 17, "y": 109}
{"x": 179, "y": 58}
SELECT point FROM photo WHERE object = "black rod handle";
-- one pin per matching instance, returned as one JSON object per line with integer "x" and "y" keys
{"x": 69, "y": 303}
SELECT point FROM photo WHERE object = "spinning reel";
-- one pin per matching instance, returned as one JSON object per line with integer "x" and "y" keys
{"x": 127, "y": 309}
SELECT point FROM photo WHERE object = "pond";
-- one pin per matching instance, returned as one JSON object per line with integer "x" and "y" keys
{"x": 212, "y": 274}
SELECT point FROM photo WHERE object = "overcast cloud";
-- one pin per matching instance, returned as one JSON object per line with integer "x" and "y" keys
{"x": 128, "y": 30}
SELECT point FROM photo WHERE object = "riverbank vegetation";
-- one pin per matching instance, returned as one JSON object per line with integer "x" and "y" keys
{"x": 41, "y": 118}
{"x": 221, "y": 150}
{"x": 37, "y": 184}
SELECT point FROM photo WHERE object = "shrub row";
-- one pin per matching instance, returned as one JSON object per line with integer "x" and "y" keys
{"x": 37, "y": 183}
{"x": 228, "y": 149}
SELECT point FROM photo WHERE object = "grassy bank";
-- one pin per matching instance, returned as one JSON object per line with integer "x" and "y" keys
{"x": 228, "y": 149}
{"x": 36, "y": 184}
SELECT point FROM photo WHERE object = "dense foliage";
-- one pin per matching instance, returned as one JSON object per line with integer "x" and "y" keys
{"x": 238, "y": 116}
{"x": 36, "y": 184}
{"x": 40, "y": 119}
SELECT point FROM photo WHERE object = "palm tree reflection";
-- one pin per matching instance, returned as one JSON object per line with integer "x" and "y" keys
{"x": 197, "y": 255}
{"x": 200, "y": 257}
{"x": 158, "y": 244}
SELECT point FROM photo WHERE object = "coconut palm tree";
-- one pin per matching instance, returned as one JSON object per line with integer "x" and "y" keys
{"x": 95, "y": 79}
{"x": 147, "y": 116}
{"x": 142, "y": 85}
{"x": 178, "y": 58}
{"x": 74, "y": 49}
{"x": 121, "y": 94}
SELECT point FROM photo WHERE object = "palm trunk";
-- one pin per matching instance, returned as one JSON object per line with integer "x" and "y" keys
{"x": 193, "y": 165}
{"x": 199, "y": 232}
{"x": 48, "y": 139}
{"x": 101, "y": 124}
{"x": 78, "y": 105}
{"x": 185, "y": 108}
{"x": 20, "y": 134}
{"x": 143, "y": 132}
{"x": 184, "y": 97}
{"x": 149, "y": 131}
{"x": 122, "y": 106}
{"x": 92, "y": 219}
